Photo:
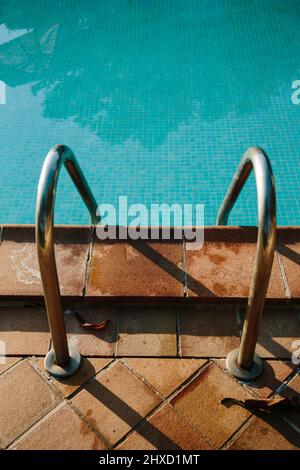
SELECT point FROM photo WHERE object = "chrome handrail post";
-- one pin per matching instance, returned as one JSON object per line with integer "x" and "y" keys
{"x": 244, "y": 363}
{"x": 61, "y": 361}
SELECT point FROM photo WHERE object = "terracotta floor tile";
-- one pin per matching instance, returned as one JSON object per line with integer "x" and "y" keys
{"x": 274, "y": 373}
{"x": 139, "y": 269}
{"x": 288, "y": 241}
{"x": 18, "y": 259}
{"x": 147, "y": 332}
{"x": 165, "y": 430}
{"x": 270, "y": 433}
{"x": 60, "y": 430}
{"x": 209, "y": 331}
{"x": 293, "y": 387}
{"x": 25, "y": 398}
{"x": 165, "y": 375}
{"x": 279, "y": 329}
{"x": 89, "y": 342}
{"x": 292, "y": 415}
{"x": 200, "y": 403}
{"x": 7, "y": 362}
{"x": 88, "y": 368}
{"x": 115, "y": 401}
{"x": 223, "y": 266}
{"x": 24, "y": 330}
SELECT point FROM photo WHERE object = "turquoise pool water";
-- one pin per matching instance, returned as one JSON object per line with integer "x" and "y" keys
{"x": 157, "y": 99}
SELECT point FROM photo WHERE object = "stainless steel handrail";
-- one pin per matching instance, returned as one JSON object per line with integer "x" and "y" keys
{"x": 244, "y": 363}
{"x": 62, "y": 360}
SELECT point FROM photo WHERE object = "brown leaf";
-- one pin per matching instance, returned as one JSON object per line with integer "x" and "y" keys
{"x": 264, "y": 404}
{"x": 91, "y": 326}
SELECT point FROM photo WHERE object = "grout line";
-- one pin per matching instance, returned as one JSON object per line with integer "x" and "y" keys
{"x": 86, "y": 420}
{"x": 35, "y": 425}
{"x": 90, "y": 379}
{"x": 190, "y": 379}
{"x": 142, "y": 379}
{"x": 237, "y": 433}
{"x": 184, "y": 267}
{"x": 103, "y": 356}
{"x": 116, "y": 345}
{"x": 178, "y": 334}
{"x": 20, "y": 359}
{"x": 139, "y": 424}
{"x": 178, "y": 390}
{"x": 286, "y": 288}
{"x": 49, "y": 379}
{"x": 88, "y": 262}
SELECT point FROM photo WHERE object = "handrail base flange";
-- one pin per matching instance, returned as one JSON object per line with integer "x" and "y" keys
{"x": 241, "y": 373}
{"x": 62, "y": 371}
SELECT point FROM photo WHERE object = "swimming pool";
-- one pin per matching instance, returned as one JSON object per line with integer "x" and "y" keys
{"x": 157, "y": 99}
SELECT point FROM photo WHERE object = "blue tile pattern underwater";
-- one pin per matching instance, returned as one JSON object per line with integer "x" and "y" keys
{"x": 157, "y": 99}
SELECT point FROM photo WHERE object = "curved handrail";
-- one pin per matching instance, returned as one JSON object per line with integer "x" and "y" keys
{"x": 61, "y": 361}
{"x": 244, "y": 363}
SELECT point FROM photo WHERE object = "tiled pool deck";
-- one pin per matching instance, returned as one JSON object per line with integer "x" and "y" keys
{"x": 107, "y": 271}
{"x": 154, "y": 378}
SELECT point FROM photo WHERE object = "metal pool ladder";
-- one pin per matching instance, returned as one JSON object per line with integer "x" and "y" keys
{"x": 61, "y": 361}
{"x": 243, "y": 362}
